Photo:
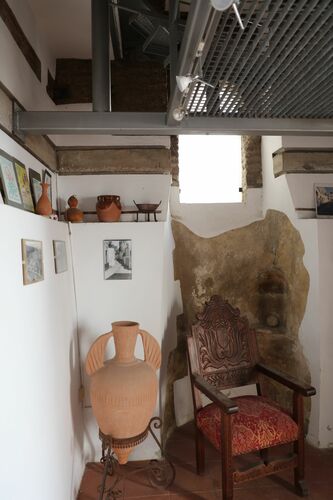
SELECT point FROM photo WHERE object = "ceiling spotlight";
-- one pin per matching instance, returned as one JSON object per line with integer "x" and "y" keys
{"x": 225, "y": 4}
{"x": 183, "y": 82}
{"x": 178, "y": 114}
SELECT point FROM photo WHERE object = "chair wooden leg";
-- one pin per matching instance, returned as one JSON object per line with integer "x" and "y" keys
{"x": 264, "y": 456}
{"x": 299, "y": 480}
{"x": 226, "y": 458}
{"x": 200, "y": 451}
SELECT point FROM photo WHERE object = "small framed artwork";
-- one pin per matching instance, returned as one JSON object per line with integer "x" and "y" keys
{"x": 47, "y": 178}
{"x": 10, "y": 185}
{"x": 32, "y": 261}
{"x": 324, "y": 200}
{"x": 60, "y": 256}
{"x": 23, "y": 182}
{"x": 117, "y": 258}
{"x": 36, "y": 189}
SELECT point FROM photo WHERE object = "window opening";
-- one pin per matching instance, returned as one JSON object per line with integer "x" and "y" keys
{"x": 210, "y": 168}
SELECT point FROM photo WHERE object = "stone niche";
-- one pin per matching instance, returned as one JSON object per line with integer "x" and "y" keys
{"x": 272, "y": 300}
{"x": 259, "y": 269}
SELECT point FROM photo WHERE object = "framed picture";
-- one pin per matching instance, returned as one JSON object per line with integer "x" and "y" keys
{"x": 60, "y": 256}
{"x": 23, "y": 182}
{"x": 10, "y": 185}
{"x": 32, "y": 261}
{"x": 117, "y": 257}
{"x": 36, "y": 189}
{"x": 324, "y": 200}
{"x": 47, "y": 177}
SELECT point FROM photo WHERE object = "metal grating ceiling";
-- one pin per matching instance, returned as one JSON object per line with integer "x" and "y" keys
{"x": 280, "y": 66}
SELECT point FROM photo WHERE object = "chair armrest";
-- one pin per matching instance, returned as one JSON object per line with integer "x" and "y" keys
{"x": 226, "y": 404}
{"x": 287, "y": 380}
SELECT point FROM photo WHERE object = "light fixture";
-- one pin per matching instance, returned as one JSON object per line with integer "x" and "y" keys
{"x": 183, "y": 82}
{"x": 178, "y": 114}
{"x": 225, "y": 4}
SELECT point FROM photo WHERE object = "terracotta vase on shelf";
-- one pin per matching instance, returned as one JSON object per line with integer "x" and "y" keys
{"x": 108, "y": 208}
{"x": 44, "y": 206}
{"x": 123, "y": 390}
{"x": 73, "y": 214}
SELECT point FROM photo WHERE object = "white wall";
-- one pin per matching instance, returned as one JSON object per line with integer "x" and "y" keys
{"x": 41, "y": 431}
{"x": 101, "y": 302}
{"x": 325, "y": 261}
{"x": 286, "y": 193}
{"x": 211, "y": 219}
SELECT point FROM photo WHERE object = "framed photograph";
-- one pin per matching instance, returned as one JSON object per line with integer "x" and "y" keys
{"x": 60, "y": 256}
{"x": 47, "y": 177}
{"x": 10, "y": 185}
{"x": 324, "y": 200}
{"x": 32, "y": 261}
{"x": 23, "y": 182}
{"x": 36, "y": 189}
{"x": 117, "y": 257}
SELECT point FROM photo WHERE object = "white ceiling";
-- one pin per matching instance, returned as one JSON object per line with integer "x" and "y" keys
{"x": 65, "y": 26}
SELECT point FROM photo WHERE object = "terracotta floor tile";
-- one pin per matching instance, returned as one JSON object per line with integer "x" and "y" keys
{"x": 189, "y": 486}
{"x": 187, "y": 480}
{"x": 196, "y": 495}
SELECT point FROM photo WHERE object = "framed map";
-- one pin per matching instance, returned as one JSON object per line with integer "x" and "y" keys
{"x": 9, "y": 181}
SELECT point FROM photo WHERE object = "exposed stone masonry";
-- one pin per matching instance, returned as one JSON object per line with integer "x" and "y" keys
{"x": 232, "y": 265}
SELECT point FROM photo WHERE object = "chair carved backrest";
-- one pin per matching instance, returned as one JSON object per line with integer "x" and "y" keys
{"x": 223, "y": 348}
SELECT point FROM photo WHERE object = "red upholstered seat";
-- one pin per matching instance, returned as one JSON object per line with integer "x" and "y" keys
{"x": 259, "y": 424}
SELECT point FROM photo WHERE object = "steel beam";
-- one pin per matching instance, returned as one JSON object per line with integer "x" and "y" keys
{"x": 100, "y": 38}
{"x": 195, "y": 30}
{"x": 86, "y": 122}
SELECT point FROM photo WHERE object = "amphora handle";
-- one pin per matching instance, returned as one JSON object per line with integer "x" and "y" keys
{"x": 95, "y": 357}
{"x": 151, "y": 349}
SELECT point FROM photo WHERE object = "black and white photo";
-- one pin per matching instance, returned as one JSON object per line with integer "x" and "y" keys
{"x": 117, "y": 257}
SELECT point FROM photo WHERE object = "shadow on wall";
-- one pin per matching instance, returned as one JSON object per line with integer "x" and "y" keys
{"x": 259, "y": 269}
{"x": 76, "y": 413}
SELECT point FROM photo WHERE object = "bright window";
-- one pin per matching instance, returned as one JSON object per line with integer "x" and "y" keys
{"x": 210, "y": 168}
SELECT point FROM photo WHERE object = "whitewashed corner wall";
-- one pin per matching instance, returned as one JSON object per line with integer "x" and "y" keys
{"x": 41, "y": 430}
{"x": 101, "y": 302}
{"x": 41, "y": 419}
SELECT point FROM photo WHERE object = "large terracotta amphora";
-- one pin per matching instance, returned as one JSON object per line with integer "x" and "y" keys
{"x": 123, "y": 390}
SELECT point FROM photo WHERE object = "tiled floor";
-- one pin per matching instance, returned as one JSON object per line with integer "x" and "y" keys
{"x": 187, "y": 485}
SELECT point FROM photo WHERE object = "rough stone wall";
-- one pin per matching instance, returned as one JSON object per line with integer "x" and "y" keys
{"x": 231, "y": 265}
{"x": 135, "y": 86}
{"x": 39, "y": 146}
{"x": 129, "y": 160}
{"x": 251, "y": 161}
{"x": 298, "y": 161}
{"x": 138, "y": 86}
{"x": 174, "y": 159}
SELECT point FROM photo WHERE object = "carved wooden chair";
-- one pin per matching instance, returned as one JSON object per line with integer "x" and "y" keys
{"x": 222, "y": 353}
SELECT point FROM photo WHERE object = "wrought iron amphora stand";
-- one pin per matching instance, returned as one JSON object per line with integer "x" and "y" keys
{"x": 161, "y": 473}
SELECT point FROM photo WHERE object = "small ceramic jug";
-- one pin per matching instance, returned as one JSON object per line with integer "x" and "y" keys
{"x": 73, "y": 214}
{"x": 108, "y": 208}
{"x": 44, "y": 206}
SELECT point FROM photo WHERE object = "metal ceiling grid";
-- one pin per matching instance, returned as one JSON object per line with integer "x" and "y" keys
{"x": 280, "y": 66}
